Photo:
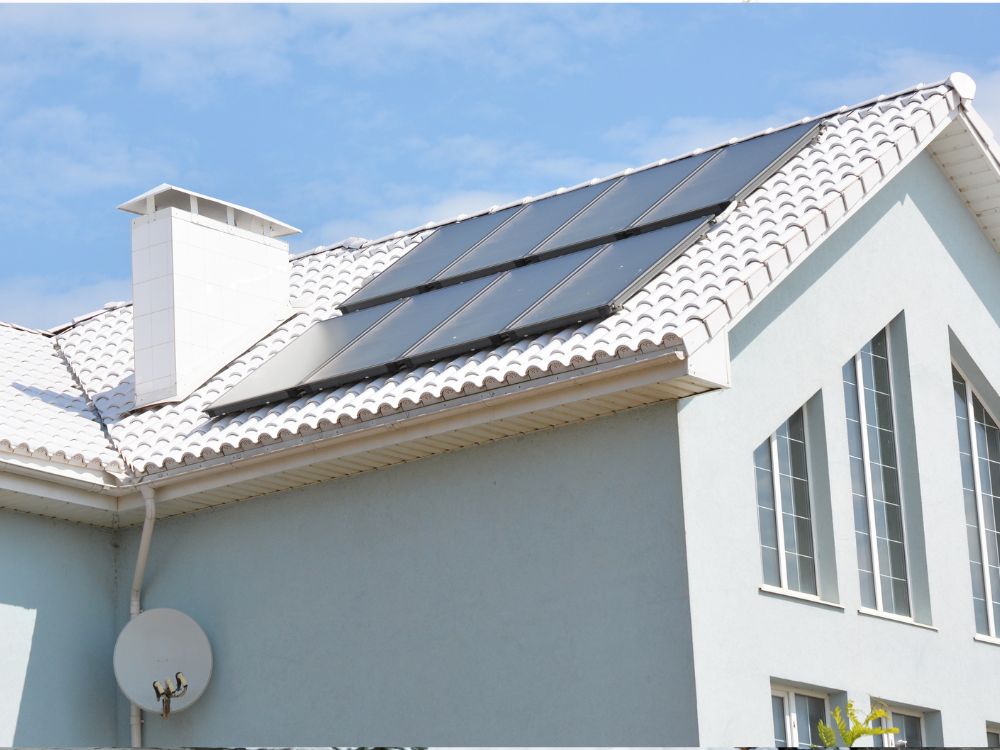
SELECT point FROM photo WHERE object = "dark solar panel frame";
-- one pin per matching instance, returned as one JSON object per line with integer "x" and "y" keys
{"x": 800, "y": 134}
{"x": 514, "y": 331}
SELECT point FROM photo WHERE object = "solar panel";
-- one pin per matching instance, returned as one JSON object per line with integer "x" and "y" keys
{"x": 513, "y": 292}
{"x": 728, "y": 175}
{"x": 620, "y": 207}
{"x": 430, "y": 257}
{"x": 279, "y": 376}
{"x": 525, "y": 231}
{"x": 385, "y": 343}
{"x": 559, "y": 260}
{"x": 609, "y": 276}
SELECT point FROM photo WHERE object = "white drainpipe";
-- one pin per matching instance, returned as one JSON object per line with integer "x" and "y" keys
{"x": 135, "y": 604}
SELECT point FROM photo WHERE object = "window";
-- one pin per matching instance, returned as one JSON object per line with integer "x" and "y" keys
{"x": 992, "y": 736}
{"x": 910, "y": 730}
{"x": 796, "y": 717}
{"x": 875, "y": 479}
{"x": 783, "y": 508}
{"x": 979, "y": 451}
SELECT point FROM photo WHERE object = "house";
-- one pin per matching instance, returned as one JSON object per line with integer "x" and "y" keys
{"x": 730, "y": 490}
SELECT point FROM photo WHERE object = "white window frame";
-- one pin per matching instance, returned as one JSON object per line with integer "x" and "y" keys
{"x": 787, "y": 694}
{"x": 977, "y": 485}
{"x": 866, "y": 460}
{"x": 992, "y": 727}
{"x": 779, "y": 511}
{"x": 889, "y": 740}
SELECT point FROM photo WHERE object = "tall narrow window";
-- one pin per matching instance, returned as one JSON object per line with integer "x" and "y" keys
{"x": 878, "y": 510}
{"x": 796, "y": 717}
{"x": 979, "y": 451}
{"x": 783, "y": 508}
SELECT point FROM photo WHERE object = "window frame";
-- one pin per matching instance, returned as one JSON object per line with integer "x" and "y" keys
{"x": 787, "y": 694}
{"x": 992, "y": 727}
{"x": 977, "y": 485}
{"x": 890, "y": 348}
{"x": 779, "y": 509}
{"x": 889, "y": 740}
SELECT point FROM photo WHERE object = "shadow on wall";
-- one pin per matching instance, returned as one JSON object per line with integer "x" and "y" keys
{"x": 57, "y": 633}
{"x": 17, "y": 627}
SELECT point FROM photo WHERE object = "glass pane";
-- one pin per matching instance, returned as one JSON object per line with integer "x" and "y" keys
{"x": 993, "y": 739}
{"x": 722, "y": 178}
{"x": 976, "y": 439}
{"x": 512, "y": 293}
{"x": 778, "y": 718}
{"x": 291, "y": 366}
{"x": 909, "y": 730}
{"x": 389, "y": 339}
{"x": 532, "y": 224}
{"x": 429, "y": 258}
{"x": 873, "y": 405}
{"x": 809, "y": 711}
{"x": 623, "y": 205}
{"x": 795, "y": 505}
{"x": 608, "y": 274}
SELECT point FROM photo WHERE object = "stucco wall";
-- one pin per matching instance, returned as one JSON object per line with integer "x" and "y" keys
{"x": 914, "y": 250}
{"x": 531, "y": 591}
{"x": 56, "y": 633}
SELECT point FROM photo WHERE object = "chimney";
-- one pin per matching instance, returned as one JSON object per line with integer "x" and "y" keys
{"x": 209, "y": 278}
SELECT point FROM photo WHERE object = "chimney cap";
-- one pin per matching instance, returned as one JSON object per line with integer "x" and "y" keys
{"x": 171, "y": 194}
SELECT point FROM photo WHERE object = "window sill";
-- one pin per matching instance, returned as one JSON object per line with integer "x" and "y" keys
{"x": 789, "y": 594}
{"x": 894, "y": 618}
{"x": 986, "y": 639}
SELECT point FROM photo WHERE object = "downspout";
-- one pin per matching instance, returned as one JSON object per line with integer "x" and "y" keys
{"x": 135, "y": 602}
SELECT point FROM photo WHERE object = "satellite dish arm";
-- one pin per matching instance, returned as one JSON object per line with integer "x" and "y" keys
{"x": 135, "y": 603}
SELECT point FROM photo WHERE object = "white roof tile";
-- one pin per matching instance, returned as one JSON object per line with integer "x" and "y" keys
{"x": 43, "y": 410}
{"x": 691, "y": 300}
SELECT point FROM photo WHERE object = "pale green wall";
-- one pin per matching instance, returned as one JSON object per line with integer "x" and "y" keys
{"x": 57, "y": 609}
{"x": 914, "y": 250}
{"x": 535, "y": 590}
{"x": 531, "y": 591}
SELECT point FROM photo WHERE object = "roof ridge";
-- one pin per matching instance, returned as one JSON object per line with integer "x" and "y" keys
{"x": 660, "y": 162}
{"x": 112, "y": 443}
{"x": 357, "y": 243}
{"x": 26, "y": 329}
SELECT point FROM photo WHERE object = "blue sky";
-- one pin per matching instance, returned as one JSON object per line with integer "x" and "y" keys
{"x": 363, "y": 120}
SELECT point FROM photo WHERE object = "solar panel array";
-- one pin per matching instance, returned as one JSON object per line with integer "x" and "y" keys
{"x": 556, "y": 261}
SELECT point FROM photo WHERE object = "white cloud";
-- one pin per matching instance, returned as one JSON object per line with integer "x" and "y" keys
{"x": 889, "y": 71}
{"x": 503, "y": 39}
{"x": 48, "y": 154}
{"x": 187, "y": 49}
{"x": 180, "y": 48}
{"x": 38, "y": 302}
{"x": 386, "y": 218}
{"x": 648, "y": 141}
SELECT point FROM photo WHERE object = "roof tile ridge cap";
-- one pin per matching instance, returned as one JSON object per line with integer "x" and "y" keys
{"x": 694, "y": 152}
{"x": 86, "y": 317}
{"x": 112, "y": 443}
{"x": 26, "y": 329}
{"x": 343, "y": 245}
{"x": 796, "y": 244}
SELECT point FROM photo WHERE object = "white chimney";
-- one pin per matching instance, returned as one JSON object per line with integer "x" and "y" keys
{"x": 209, "y": 278}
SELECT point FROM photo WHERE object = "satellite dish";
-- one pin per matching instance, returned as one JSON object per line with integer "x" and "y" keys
{"x": 154, "y": 647}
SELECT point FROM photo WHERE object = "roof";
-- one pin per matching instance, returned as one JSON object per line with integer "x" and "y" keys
{"x": 43, "y": 409}
{"x": 748, "y": 250}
